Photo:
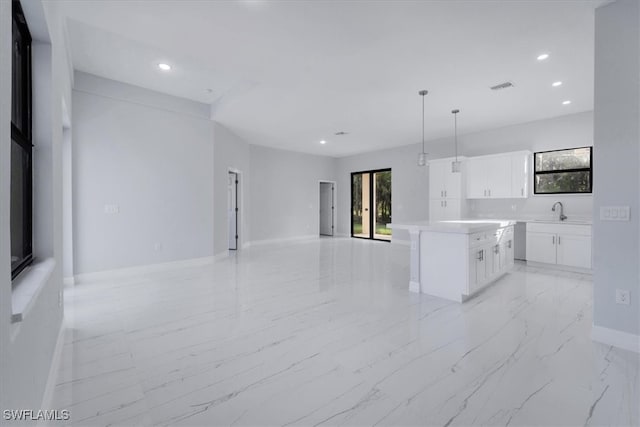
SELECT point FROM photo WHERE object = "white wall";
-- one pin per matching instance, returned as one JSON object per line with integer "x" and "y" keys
{"x": 285, "y": 193}
{"x": 410, "y": 189}
{"x": 230, "y": 152}
{"x": 617, "y": 139}
{"x": 575, "y": 130}
{"x": 152, "y": 157}
{"x": 27, "y": 347}
{"x": 409, "y": 185}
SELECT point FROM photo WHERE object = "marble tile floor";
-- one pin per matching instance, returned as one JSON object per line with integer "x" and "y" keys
{"x": 325, "y": 332}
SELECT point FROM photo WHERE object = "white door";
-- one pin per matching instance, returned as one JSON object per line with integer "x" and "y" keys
{"x": 574, "y": 251}
{"x": 326, "y": 208}
{"x": 437, "y": 210}
{"x": 232, "y": 210}
{"x": 541, "y": 247}
{"x": 451, "y": 209}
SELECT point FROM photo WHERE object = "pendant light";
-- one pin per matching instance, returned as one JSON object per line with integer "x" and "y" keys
{"x": 455, "y": 165}
{"x": 422, "y": 157}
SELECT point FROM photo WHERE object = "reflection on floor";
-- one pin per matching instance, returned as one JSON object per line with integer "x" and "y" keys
{"x": 375, "y": 236}
{"x": 325, "y": 332}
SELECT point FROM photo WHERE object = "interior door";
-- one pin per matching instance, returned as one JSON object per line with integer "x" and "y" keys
{"x": 326, "y": 208}
{"x": 232, "y": 210}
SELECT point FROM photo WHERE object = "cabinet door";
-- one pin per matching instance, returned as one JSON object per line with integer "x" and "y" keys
{"x": 452, "y": 209}
{"x": 541, "y": 247}
{"x": 453, "y": 183}
{"x": 476, "y": 178}
{"x": 574, "y": 251}
{"x": 520, "y": 175}
{"x": 498, "y": 170}
{"x": 437, "y": 210}
{"x": 477, "y": 268}
{"x": 509, "y": 252}
{"x": 436, "y": 180}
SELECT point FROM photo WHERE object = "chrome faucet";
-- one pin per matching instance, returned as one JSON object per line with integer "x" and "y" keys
{"x": 562, "y": 215}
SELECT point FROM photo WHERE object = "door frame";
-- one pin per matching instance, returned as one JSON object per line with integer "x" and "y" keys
{"x": 334, "y": 216}
{"x": 240, "y": 207}
{"x": 372, "y": 233}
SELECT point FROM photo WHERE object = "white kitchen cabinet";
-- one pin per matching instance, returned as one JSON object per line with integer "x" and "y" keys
{"x": 498, "y": 176}
{"x": 520, "y": 173}
{"x": 490, "y": 255}
{"x": 445, "y": 190}
{"x": 541, "y": 247}
{"x": 444, "y": 209}
{"x": 573, "y": 251}
{"x": 443, "y": 183}
{"x": 561, "y": 244}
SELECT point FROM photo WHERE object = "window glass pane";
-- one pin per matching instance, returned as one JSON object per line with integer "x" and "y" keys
{"x": 382, "y": 204}
{"x": 20, "y": 205}
{"x": 563, "y": 159}
{"x": 564, "y": 182}
{"x": 17, "y": 82}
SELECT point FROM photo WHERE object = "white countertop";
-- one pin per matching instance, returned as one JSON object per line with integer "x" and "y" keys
{"x": 468, "y": 226}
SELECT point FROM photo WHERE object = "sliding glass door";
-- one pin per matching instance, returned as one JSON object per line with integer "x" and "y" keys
{"x": 371, "y": 204}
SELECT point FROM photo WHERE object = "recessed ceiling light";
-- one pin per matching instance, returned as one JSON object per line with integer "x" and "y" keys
{"x": 323, "y": 142}
{"x": 556, "y": 84}
{"x": 543, "y": 57}
{"x": 164, "y": 67}
{"x": 566, "y": 102}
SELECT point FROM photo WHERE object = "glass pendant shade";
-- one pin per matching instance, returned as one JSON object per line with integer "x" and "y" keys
{"x": 455, "y": 166}
{"x": 422, "y": 159}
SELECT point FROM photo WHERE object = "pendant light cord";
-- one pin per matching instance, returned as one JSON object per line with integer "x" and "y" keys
{"x": 455, "y": 132}
{"x": 423, "y": 123}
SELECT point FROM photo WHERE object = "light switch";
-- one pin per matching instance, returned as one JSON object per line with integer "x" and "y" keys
{"x": 614, "y": 213}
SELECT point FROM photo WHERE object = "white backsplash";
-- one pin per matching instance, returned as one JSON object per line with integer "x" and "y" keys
{"x": 534, "y": 207}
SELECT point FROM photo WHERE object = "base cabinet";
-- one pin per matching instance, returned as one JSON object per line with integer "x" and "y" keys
{"x": 559, "y": 244}
{"x": 490, "y": 255}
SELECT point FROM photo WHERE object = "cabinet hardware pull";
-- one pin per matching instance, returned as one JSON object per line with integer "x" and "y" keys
{"x": 445, "y": 203}
{"x": 553, "y": 239}
{"x": 558, "y": 239}
{"x": 522, "y": 191}
{"x": 509, "y": 243}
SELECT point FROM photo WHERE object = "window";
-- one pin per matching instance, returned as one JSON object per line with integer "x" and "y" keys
{"x": 21, "y": 158}
{"x": 563, "y": 171}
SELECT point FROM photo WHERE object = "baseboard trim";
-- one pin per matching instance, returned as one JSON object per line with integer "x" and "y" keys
{"x": 47, "y": 398}
{"x": 142, "y": 269}
{"x": 221, "y": 255}
{"x": 616, "y": 338}
{"x": 284, "y": 240}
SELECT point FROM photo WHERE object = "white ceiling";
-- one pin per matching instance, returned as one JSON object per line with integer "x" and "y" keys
{"x": 288, "y": 74}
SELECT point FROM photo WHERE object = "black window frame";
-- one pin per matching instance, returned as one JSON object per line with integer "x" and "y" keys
{"x": 21, "y": 129}
{"x": 589, "y": 169}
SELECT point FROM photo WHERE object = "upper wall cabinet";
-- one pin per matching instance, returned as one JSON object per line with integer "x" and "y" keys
{"x": 444, "y": 184}
{"x": 445, "y": 190}
{"x": 498, "y": 176}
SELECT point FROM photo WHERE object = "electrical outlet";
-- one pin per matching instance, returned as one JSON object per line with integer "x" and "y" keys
{"x": 622, "y": 296}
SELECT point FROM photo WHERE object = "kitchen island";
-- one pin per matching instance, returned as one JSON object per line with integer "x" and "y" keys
{"x": 456, "y": 259}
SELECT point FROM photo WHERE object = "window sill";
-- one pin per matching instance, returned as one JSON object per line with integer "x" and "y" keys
{"x": 27, "y": 287}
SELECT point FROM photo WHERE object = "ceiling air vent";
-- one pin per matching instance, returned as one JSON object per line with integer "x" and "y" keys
{"x": 501, "y": 86}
